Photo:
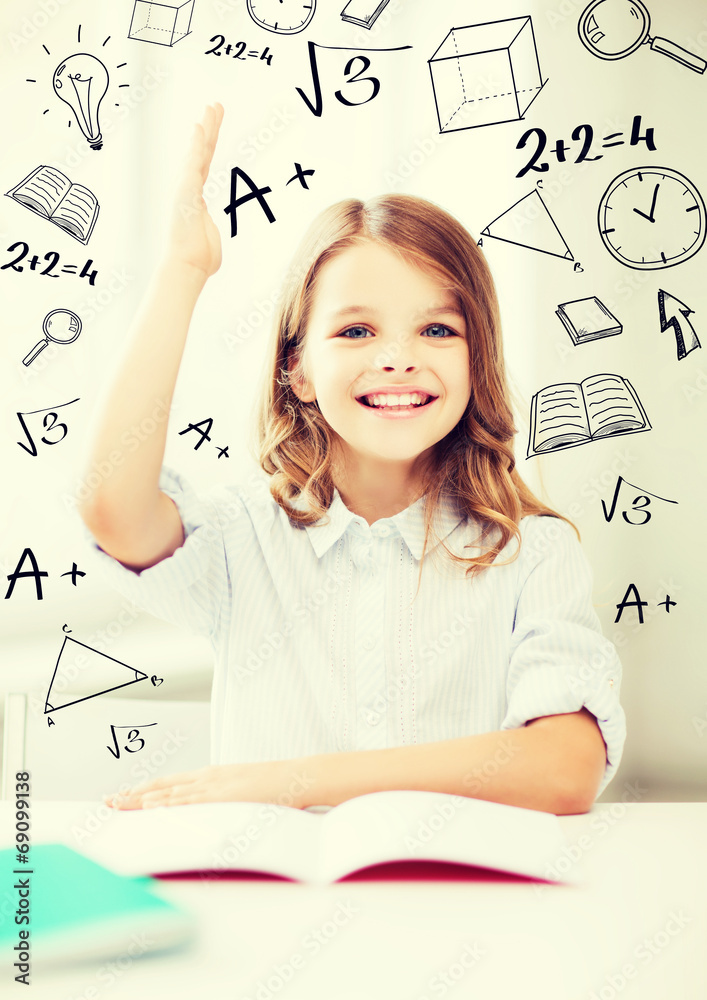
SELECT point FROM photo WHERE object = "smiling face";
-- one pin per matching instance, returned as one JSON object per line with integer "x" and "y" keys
{"x": 385, "y": 355}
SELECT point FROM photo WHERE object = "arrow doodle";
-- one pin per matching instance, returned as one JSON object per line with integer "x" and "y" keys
{"x": 671, "y": 309}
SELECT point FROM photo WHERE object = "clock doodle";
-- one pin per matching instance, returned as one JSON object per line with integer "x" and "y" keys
{"x": 651, "y": 218}
{"x": 285, "y": 17}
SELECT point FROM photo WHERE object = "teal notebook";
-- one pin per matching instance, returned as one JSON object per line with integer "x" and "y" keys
{"x": 75, "y": 909}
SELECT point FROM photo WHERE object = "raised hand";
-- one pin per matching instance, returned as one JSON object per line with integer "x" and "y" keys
{"x": 194, "y": 238}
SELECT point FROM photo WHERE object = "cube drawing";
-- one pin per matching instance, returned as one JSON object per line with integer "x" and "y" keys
{"x": 161, "y": 23}
{"x": 484, "y": 74}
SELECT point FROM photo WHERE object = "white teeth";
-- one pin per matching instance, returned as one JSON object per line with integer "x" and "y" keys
{"x": 400, "y": 399}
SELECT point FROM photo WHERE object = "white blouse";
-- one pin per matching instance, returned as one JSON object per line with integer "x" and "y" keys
{"x": 321, "y": 646}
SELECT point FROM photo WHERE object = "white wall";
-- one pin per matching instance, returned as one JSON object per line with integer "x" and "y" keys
{"x": 391, "y": 143}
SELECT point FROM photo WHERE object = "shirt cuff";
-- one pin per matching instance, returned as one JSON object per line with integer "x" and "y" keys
{"x": 555, "y": 685}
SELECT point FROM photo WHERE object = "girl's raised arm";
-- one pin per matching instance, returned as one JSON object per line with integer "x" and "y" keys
{"x": 128, "y": 515}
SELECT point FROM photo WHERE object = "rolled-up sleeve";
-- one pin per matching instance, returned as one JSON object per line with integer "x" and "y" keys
{"x": 560, "y": 661}
{"x": 191, "y": 587}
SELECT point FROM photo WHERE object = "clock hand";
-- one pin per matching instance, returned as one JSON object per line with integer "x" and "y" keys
{"x": 649, "y": 217}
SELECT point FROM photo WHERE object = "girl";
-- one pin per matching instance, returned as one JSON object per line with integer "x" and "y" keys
{"x": 391, "y": 608}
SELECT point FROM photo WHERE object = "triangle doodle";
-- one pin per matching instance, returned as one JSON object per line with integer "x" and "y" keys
{"x": 528, "y": 223}
{"x": 82, "y": 672}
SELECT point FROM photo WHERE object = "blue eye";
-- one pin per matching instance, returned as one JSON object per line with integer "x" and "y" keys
{"x": 439, "y": 332}
{"x": 355, "y": 333}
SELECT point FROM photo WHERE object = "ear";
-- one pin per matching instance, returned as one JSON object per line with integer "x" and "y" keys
{"x": 300, "y": 384}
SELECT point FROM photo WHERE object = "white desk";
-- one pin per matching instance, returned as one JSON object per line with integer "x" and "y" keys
{"x": 636, "y": 928}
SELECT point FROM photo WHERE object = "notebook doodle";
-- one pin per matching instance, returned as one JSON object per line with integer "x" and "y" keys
{"x": 364, "y": 13}
{"x": 588, "y": 319}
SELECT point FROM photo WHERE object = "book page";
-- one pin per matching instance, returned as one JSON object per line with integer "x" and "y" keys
{"x": 77, "y": 212}
{"x": 407, "y": 825}
{"x": 560, "y": 417}
{"x": 611, "y": 405}
{"x": 225, "y": 836}
{"x": 42, "y": 190}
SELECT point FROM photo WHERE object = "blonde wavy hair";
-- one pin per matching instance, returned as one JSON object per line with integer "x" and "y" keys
{"x": 474, "y": 463}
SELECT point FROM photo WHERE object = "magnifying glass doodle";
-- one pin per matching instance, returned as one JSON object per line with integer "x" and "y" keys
{"x": 61, "y": 326}
{"x": 612, "y": 29}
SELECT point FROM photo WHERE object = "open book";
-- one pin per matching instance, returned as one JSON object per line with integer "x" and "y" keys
{"x": 570, "y": 413}
{"x": 51, "y": 194}
{"x": 305, "y": 846}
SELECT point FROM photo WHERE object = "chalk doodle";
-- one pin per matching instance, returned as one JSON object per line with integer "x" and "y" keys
{"x": 284, "y": 17}
{"x": 133, "y": 737}
{"x": 82, "y": 673}
{"x": 202, "y": 428}
{"x": 316, "y": 106}
{"x": 81, "y": 81}
{"x": 52, "y": 258}
{"x": 528, "y": 223}
{"x": 237, "y": 49}
{"x": 639, "y": 604}
{"x": 585, "y": 134}
{"x": 364, "y": 13}
{"x": 614, "y": 29}
{"x": 36, "y": 574}
{"x": 163, "y": 23}
{"x": 49, "y": 426}
{"x": 485, "y": 74}
{"x": 639, "y": 505}
{"x": 652, "y": 217}
{"x": 569, "y": 414}
{"x": 48, "y": 192}
{"x": 61, "y": 326}
{"x": 258, "y": 193}
{"x": 670, "y": 309}
{"x": 588, "y": 319}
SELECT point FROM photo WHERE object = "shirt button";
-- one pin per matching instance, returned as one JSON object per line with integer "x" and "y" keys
{"x": 372, "y": 718}
{"x": 381, "y": 530}
{"x": 368, "y": 644}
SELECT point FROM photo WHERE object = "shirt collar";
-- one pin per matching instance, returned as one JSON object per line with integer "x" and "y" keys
{"x": 410, "y": 523}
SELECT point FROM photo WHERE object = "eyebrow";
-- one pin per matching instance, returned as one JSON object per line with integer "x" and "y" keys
{"x": 449, "y": 308}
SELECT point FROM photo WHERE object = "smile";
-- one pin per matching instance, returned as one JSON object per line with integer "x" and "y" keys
{"x": 389, "y": 400}
{"x": 396, "y": 404}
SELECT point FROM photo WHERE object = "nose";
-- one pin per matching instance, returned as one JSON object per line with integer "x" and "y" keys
{"x": 396, "y": 356}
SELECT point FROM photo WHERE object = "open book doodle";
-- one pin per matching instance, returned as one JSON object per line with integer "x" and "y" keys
{"x": 371, "y": 829}
{"x": 572, "y": 413}
{"x": 49, "y": 193}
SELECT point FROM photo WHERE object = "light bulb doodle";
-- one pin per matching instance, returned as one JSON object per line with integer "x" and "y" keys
{"x": 81, "y": 81}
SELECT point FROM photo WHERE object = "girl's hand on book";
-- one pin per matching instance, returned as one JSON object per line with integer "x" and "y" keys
{"x": 280, "y": 782}
{"x": 194, "y": 238}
